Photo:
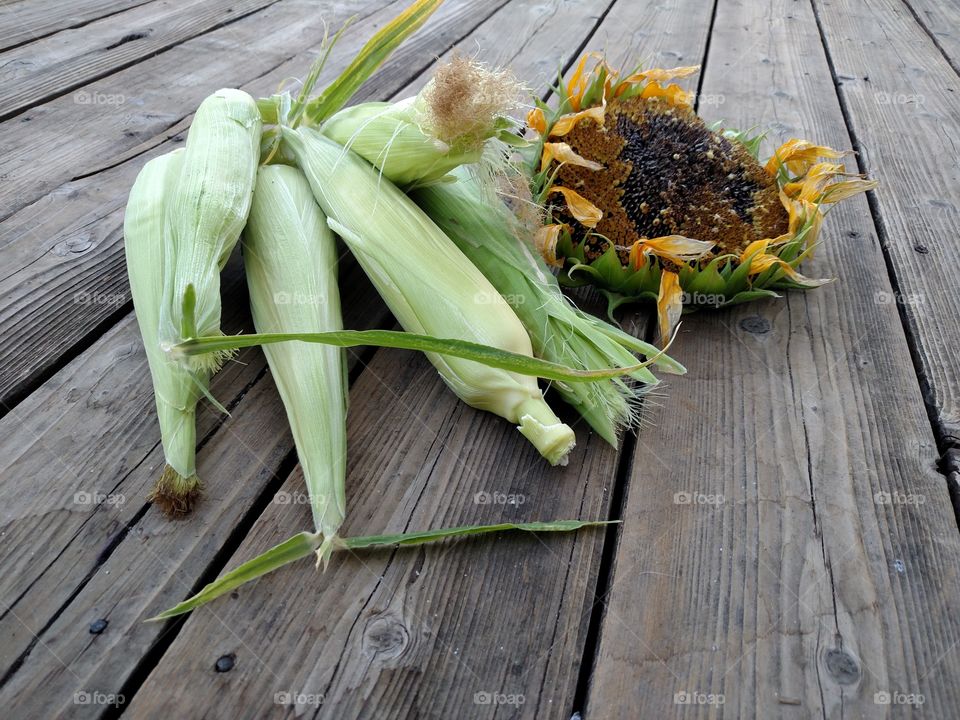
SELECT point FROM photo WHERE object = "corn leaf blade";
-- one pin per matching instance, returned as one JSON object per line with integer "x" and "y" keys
{"x": 303, "y": 544}
{"x": 370, "y": 57}
{"x": 299, "y": 546}
{"x": 426, "y": 536}
{"x": 490, "y": 356}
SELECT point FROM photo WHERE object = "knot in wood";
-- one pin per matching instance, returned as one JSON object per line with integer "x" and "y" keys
{"x": 386, "y": 636}
{"x": 755, "y": 324}
{"x": 842, "y": 667}
{"x": 73, "y": 246}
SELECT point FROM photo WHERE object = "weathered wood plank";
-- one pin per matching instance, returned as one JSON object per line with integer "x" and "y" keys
{"x": 902, "y": 120}
{"x": 409, "y": 633}
{"x": 391, "y": 631}
{"x": 56, "y": 64}
{"x": 38, "y": 155}
{"x": 63, "y": 255}
{"x": 811, "y": 561}
{"x": 94, "y": 368}
{"x": 23, "y": 21}
{"x": 942, "y": 21}
{"x": 72, "y": 492}
{"x": 40, "y": 152}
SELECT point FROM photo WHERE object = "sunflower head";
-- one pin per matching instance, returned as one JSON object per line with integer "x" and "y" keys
{"x": 664, "y": 172}
{"x": 645, "y": 200}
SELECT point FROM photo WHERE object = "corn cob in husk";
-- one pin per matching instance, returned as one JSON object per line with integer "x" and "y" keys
{"x": 419, "y": 140}
{"x": 207, "y": 211}
{"x": 176, "y": 389}
{"x": 431, "y": 287}
{"x": 290, "y": 258}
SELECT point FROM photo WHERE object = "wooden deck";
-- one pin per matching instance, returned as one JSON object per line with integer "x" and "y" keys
{"x": 789, "y": 548}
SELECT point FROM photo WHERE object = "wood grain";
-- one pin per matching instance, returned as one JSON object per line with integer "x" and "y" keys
{"x": 46, "y": 596}
{"x": 418, "y": 632}
{"x": 827, "y": 572}
{"x": 43, "y": 585}
{"x": 810, "y": 560}
{"x": 40, "y": 150}
{"x": 24, "y": 21}
{"x": 942, "y": 22}
{"x": 905, "y": 122}
{"x": 68, "y": 59}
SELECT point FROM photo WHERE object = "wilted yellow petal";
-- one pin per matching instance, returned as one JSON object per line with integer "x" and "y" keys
{"x": 799, "y": 155}
{"x": 815, "y": 222}
{"x": 841, "y": 190}
{"x": 537, "y": 121}
{"x": 662, "y": 74}
{"x": 578, "y": 83}
{"x": 582, "y": 209}
{"x": 566, "y": 123}
{"x": 545, "y": 240}
{"x": 562, "y": 152}
{"x": 760, "y": 260}
{"x": 766, "y": 261}
{"x": 755, "y": 249}
{"x": 673, "y": 94}
{"x": 816, "y": 180}
{"x": 669, "y": 304}
{"x": 676, "y": 248}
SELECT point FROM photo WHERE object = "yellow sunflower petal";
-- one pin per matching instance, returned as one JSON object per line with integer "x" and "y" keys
{"x": 755, "y": 249}
{"x": 676, "y": 248}
{"x": 799, "y": 155}
{"x": 669, "y": 304}
{"x": 578, "y": 83}
{"x": 841, "y": 190}
{"x": 816, "y": 220}
{"x": 799, "y": 212}
{"x": 814, "y": 183}
{"x": 582, "y": 209}
{"x": 537, "y": 121}
{"x": 673, "y": 94}
{"x": 545, "y": 241}
{"x": 662, "y": 74}
{"x": 566, "y": 123}
{"x": 767, "y": 261}
{"x": 562, "y": 152}
{"x": 638, "y": 258}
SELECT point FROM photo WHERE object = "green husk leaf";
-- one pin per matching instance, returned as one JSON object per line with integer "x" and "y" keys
{"x": 370, "y": 57}
{"x": 188, "y": 322}
{"x": 749, "y": 295}
{"x": 299, "y": 546}
{"x": 305, "y": 543}
{"x": 490, "y": 356}
{"x": 419, "y": 538}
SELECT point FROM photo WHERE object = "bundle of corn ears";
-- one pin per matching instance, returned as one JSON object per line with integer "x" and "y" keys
{"x": 286, "y": 174}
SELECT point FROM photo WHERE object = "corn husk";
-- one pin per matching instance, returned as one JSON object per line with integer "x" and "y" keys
{"x": 176, "y": 389}
{"x": 290, "y": 259}
{"x": 419, "y": 140}
{"x": 207, "y": 211}
{"x": 431, "y": 287}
